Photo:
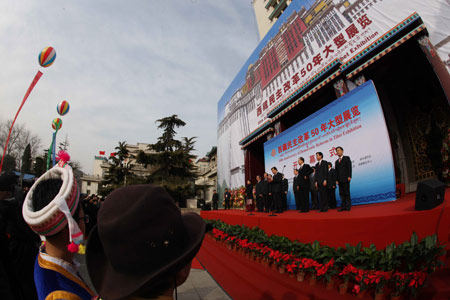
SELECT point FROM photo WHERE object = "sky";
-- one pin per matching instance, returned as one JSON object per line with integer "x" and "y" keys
{"x": 122, "y": 65}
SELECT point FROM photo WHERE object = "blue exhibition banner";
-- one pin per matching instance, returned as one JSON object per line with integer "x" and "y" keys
{"x": 355, "y": 122}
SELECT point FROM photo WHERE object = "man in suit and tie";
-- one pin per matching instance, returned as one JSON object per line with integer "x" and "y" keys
{"x": 304, "y": 172}
{"x": 296, "y": 189}
{"x": 331, "y": 186}
{"x": 284, "y": 189}
{"x": 321, "y": 181}
{"x": 277, "y": 190}
{"x": 343, "y": 168}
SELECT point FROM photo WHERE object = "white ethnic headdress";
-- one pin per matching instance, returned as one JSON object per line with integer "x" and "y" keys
{"x": 59, "y": 212}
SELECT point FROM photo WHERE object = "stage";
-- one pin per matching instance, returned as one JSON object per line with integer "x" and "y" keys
{"x": 379, "y": 224}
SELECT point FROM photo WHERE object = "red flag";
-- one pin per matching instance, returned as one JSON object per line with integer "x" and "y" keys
{"x": 112, "y": 154}
{"x": 30, "y": 88}
{"x": 101, "y": 152}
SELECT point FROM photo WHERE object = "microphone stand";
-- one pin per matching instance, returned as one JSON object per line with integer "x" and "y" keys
{"x": 271, "y": 209}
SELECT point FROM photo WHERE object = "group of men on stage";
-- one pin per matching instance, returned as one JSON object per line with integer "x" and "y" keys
{"x": 319, "y": 181}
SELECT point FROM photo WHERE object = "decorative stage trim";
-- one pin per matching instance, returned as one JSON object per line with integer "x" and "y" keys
{"x": 374, "y": 198}
{"x": 254, "y": 132}
{"x": 257, "y": 137}
{"x": 387, "y": 50}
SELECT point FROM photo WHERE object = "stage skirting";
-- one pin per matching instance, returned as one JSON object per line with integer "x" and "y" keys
{"x": 379, "y": 224}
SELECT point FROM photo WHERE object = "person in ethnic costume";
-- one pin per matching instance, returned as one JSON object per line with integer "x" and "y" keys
{"x": 53, "y": 210}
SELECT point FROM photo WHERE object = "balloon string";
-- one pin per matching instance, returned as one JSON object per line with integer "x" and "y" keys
{"x": 30, "y": 88}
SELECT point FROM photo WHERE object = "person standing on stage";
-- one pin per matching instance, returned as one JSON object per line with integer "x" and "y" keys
{"x": 285, "y": 189}
{"x": 331, "y": 187}
{"x": 215, "y": 200}
{"x": 343, "y": 166}
{"x": 296, "y": 189}
{"x": 227, "y": 197}
{"x": 304, "y": 173}
{"x": 265, "y": 192}
{"x": 313, "y": 189}
{"x": 269, "y": 205}
{"x": 259, "y": 188}
{"x": 249, "y": 196}
{"x": 321, "y": 181}
{"x": 277, "y": 190}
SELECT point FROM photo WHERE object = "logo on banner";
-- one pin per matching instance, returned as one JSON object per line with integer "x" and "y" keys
{"x": 274, "y": 152}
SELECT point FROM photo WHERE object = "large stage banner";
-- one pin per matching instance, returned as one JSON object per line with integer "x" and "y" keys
{"x": 355, "y": 122}
{"x": 306, "y": 38}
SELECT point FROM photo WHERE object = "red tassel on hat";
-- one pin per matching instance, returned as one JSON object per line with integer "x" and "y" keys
{"x": 63, "y": 156}
{"x": 72, "y": 247}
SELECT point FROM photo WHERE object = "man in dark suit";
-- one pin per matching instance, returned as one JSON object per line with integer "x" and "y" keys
{"x": 343, "y": 168}
{"x": 269, "y": 203}
{"x": 304, "y": 172}
{"x": 296, "y": 189}
{"x": 284, "y": 189}
{"x": 215, "y": 200}
{"x": 331, "y": 186}
{"x": 321, "y": 181}
{"x": 258, "y": 193}
{"x": 227, "y": 197}
{"x": 276, "y": 189}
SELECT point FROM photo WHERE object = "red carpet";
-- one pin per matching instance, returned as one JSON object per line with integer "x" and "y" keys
{"x": 196, "y": 264}
{"x": 379, "y": 224}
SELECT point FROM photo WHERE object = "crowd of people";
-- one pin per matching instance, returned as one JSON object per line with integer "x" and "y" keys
{"x": 140, "y": 246}
{"x": 314, "y": 187}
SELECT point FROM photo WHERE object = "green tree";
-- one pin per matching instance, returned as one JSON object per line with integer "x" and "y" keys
{"x": 26, "y": 160}
{"x": 9, "y": 163}
{"x": 119, "y": 170}
{"x": 40, "y": 164}
{"x": 172, "y": 160}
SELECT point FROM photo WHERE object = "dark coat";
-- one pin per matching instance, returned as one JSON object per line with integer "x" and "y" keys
{"x": 276, "y": 183}
{"x": 306, "y": 170}
{"x": 296, "y": 183}
{"x": 321, "y": 172}
{"x": 227, "y": 196}
{"x": 249, "y": 191}
{"x": 215, "y": 197}
{"x": 285, "y": 185}
{"x": 331, "y": 181}
{"x": 260, "y": 188}
{"x": 343, "y": 169}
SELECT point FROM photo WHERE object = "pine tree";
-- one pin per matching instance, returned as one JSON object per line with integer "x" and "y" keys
{"x": 26, "y": 160}
{"x": 172, "y": 160}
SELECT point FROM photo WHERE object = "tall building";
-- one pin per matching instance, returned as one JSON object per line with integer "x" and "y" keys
{"x": 267, "y": 13}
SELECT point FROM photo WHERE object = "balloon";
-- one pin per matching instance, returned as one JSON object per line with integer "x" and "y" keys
{"x": 57, "y": 124}
{"x": 63, "y": 108}
{"x": 47, "y": 57}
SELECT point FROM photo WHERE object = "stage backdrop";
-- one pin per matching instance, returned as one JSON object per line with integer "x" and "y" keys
{"x": 308, "y": 36}
{"x": 355, "y": 122}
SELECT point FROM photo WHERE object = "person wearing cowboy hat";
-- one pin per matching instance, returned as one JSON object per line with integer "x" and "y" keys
{"x": 53, "y": 210}
{"x": 142, "y": 246}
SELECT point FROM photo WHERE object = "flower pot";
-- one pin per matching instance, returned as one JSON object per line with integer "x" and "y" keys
{"x": 379, "y": 296}
{"x": 274, "y": 266}
{"x": 361, "y": 294}
{"x": 312, "y": 279}
{"x": 330, "y": 284}
{"x": 300, "y": 276}
{"x": 343, "y": 287}
{"x": 281, "y": 269}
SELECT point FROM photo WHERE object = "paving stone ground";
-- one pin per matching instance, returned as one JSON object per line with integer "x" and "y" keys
{"x": 199, "y": 285}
